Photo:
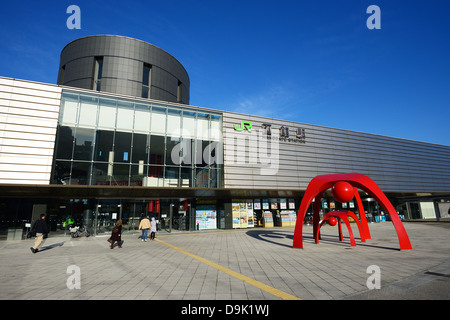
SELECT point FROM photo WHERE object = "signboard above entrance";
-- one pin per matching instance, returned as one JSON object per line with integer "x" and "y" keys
{"x": 286, "y": 133}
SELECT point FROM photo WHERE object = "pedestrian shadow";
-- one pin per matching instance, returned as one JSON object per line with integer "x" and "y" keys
{"x": 49, "y": 247}
{"x": 116, "y": 244}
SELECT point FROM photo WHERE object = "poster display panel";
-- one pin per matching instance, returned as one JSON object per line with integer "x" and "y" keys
{"x": 206, "y": 219}
{"x": 242, "y": 213}
{"x": 291, "y": 204}
{"x": 268, "y": 219}
{"x": 236, "y": 214}
{"x": 206, "y": 215}
{"x": 250, "y": 220}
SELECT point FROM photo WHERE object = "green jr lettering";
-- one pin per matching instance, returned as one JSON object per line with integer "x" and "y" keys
{"x": 244, "y": 125}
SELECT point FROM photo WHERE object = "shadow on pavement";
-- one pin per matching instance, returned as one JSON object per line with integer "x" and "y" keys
{"x": 270, "y": 236}
{"x": 49, "y": 247}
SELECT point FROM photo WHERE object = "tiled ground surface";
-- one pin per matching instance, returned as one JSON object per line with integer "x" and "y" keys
{"x": 171, "y": 267}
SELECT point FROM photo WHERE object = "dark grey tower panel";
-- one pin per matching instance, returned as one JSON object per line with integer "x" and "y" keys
{"x": 123, "y": 65}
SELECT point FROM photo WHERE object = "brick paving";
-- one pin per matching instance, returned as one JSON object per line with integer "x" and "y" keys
{"x": 171, "y": 268}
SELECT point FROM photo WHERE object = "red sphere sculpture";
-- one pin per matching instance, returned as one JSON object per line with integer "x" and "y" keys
{"x": 321, "y": 183}
{"x": 332, "y": 221}
{"x": 342, "y": 191}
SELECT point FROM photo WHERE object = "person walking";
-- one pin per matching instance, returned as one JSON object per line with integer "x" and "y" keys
{"x": 144, "y": 225}
{"x": 41, "y": 229}
{"x": 116, "y": 235}
{"x": 152, "y": 229}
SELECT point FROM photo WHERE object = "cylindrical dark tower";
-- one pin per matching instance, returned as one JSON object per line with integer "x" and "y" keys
{"x": 123, "y": 65}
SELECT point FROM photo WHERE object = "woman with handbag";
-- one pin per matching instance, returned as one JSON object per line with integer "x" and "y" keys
{"x": 116, "y": 235}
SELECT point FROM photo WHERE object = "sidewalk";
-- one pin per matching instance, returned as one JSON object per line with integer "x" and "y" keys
{"x": 247, "y": 264}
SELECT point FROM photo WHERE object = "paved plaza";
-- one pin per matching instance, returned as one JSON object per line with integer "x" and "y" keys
{"x": 246, "y": 264}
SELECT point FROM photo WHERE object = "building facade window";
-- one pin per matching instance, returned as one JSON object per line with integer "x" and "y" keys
{"x": 123, "y": 142}
{"x": 146, "y": 80}
{"x": 98, "y": 70}
{"x": 180, "y": 92}
{"x": 61, "y": 74}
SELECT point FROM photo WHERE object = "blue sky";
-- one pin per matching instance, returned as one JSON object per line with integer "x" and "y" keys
{"x": 313, "y": 62}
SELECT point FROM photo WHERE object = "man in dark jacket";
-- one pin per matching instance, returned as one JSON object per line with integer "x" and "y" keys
{"x": 41, "y": 229}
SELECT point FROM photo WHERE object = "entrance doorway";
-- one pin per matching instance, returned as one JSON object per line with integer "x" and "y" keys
{"x": 176, "y": 215}
{"x": 414, "y": 210}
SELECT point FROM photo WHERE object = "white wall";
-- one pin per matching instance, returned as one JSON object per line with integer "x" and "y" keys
{"x": 28, "y": 120}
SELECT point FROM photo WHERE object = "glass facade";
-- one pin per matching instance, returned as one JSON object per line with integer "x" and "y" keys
{"x": 122, "y": 142}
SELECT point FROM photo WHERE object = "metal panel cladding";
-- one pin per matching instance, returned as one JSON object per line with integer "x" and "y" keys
{"x": 123, "y": 65}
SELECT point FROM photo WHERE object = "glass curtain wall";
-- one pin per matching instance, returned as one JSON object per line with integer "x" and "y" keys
{"x": 120, "y": 142}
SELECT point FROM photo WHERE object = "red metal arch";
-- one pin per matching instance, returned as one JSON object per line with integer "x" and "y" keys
{"x": 321, "y": 183}
{"x": 342, "y": 215}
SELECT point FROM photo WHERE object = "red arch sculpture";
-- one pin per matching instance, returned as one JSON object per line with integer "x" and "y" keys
{"x": 342, "y": 215}
{"x": 321, "y": 183}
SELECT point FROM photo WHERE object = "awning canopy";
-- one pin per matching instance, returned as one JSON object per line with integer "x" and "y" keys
{"x": 120, "y": 192}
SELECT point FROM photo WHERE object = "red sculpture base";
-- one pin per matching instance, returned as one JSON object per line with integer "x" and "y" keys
{"x": 319, "y": 184}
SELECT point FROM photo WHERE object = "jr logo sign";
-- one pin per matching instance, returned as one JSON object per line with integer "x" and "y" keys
{"x": 245, "y": 125}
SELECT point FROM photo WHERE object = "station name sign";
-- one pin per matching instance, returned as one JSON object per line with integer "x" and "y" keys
{"x": 286, "y": 134}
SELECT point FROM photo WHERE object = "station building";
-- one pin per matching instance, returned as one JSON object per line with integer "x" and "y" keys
{"x": 116, "y": 138}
